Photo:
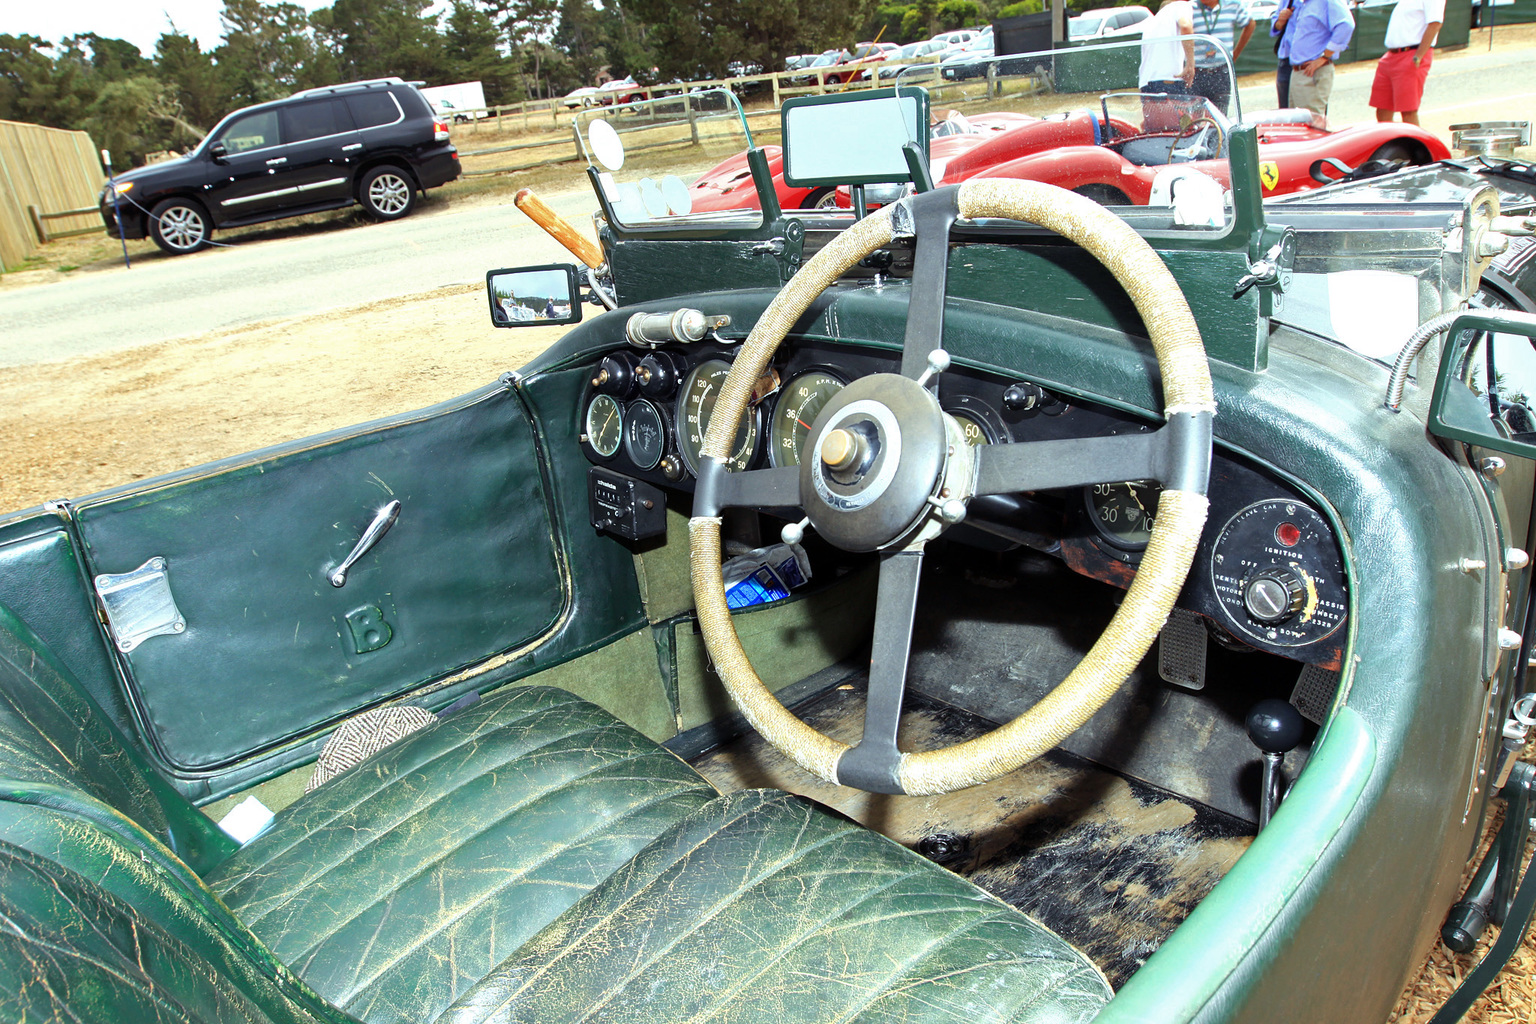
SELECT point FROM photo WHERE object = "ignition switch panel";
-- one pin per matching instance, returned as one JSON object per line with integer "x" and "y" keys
{"x": 624, "y": 506}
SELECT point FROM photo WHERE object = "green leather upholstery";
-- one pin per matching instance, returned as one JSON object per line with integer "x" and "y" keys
{"x": 529, "y": 858}
{"x": 453, "y": 847}
{"x": 764, "y": 907}
{"x": 98, "y": 923}
{"x": 51, "y": 731}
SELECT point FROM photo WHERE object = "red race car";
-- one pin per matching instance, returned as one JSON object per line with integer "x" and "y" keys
{"x": 728, "y": 185}
{"x": 1114, "y": 154}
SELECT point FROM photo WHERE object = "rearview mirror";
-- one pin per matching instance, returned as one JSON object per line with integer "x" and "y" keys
{"x": 854, "y": 138}
{"x": 218, "y": 152}
{"x": 534, "y": 296}
{"x": 1485, "y": 393}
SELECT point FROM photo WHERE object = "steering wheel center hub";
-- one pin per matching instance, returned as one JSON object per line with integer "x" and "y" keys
{"x": 876, "y": 455}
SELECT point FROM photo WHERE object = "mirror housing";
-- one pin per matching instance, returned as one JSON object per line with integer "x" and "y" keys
{"x": 534, "y": 296}
{"x": 1460, "y": 412}
{"x": 217, "y": 152}
{"x": 868, "y": 131}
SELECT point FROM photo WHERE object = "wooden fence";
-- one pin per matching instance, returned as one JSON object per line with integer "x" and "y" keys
{"x": 51, "y": 169}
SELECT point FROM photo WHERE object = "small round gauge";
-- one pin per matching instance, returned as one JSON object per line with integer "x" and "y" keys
{"x": 605, "y": 425}
{"x": 978, "y": 421}
{"x": 1124, "y": 513}
{"x": 799, "y": 402}
{"x": 645, "y": 438}
{"x": 701, "y": 389}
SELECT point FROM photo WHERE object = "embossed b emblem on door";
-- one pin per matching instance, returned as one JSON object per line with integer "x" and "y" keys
{"x": 369, "y": 630}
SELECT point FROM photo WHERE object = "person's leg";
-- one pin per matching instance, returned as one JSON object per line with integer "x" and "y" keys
{"x": 1304, "y": 91}
{"x": 1283, "y": 84}
{"x": 1322, "y": 84}
{"x": 1411, "y": 92}
{"x": 1382, "y": 98}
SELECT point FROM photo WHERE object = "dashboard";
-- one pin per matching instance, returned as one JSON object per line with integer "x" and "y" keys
{"x": 1269, "y": 573}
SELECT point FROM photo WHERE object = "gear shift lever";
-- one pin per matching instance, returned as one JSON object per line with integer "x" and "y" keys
{"x": 1275, "y": 728}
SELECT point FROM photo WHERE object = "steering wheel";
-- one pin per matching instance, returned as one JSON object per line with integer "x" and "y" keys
{"x": 1195, "y": 132}
{"x": 886, "y": 469}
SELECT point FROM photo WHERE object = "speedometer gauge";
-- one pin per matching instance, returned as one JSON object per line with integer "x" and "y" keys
{"x": 701, "y": 389}
{"x": 1124, "y": 513}
{"x": 799, "y": 402}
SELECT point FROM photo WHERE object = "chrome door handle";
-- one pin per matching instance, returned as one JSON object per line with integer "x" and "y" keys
{"x": 277, "y": 160}
{"x": 348, "y": 149}
{"x": 371, "y": 536}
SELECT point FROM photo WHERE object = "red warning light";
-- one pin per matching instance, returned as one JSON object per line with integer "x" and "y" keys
{"x": 1287, "y": 534}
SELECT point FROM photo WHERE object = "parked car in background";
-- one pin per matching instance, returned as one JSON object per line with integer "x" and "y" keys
{"x": 1106, "y": 23}
{"x": 583, "y": 97}
{"x": 825, "y": 59}
{"x": 619, "y": 91}
{"x": 376, "y": 143}
{"x": 923, "y": 51}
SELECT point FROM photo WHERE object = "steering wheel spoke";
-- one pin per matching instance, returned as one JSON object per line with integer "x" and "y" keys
{"x": 874, "y": 764}
{"x": 756, "y": 488}
{"x": 1070, "y": 462}
{"x": 933, "y": 214}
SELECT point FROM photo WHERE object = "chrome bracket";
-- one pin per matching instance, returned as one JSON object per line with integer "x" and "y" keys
{"x": 139, "y": 604}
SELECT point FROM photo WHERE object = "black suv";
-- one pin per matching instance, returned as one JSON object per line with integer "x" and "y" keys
{"x": 376, "y": 143}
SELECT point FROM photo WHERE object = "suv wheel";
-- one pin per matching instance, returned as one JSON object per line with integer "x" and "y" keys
{"x": 387, "y": 194}
{"x": 179, "y": 226}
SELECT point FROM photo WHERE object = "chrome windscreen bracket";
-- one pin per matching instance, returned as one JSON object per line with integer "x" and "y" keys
{"x": 139, "y": 605}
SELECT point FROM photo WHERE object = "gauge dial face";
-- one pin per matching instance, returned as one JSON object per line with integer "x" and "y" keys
{"x": 605, "y": 425}
{"x": 979, "y": 422}
{"x": 1124, "y": 514}
{"x": 799, "y": 402}
{"x": 700, "y": 391}
{"x": 975, "y": 433}
{"x": 645, "y": 439}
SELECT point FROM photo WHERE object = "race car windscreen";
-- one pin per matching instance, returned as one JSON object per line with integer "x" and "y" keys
{"x": 1138, "y": 123}
{"x": 673, "y": 157}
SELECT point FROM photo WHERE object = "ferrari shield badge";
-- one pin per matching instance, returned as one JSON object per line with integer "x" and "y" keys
{"x": 1269, "y": 174}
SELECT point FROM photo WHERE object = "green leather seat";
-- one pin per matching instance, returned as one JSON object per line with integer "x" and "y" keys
{"x": 527, "y": 859}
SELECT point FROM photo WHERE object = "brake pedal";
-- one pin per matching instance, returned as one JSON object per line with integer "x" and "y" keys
{"x": 1181, "y": 650}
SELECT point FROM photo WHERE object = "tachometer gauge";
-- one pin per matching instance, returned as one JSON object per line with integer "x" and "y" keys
{"x": 645, "y": 439}
{"x": 799, "y": 402}
{"x": 605, "y": 425}
{"x": 701, "y": 389}
{"x": 1124, "y": 513}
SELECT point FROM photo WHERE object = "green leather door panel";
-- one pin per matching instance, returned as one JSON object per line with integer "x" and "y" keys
{"x": 271, "y": 650}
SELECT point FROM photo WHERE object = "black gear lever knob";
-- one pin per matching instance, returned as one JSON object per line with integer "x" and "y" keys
{"x": 1275, "y": 726}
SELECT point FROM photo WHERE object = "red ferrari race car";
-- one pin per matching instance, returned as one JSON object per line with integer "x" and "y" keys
{"x": 728, "y": 185}
{"x": 1115, "y": 154}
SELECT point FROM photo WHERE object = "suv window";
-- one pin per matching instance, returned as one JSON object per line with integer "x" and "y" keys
{"x": 315, "y": 119}
{"x": 371, "y": 109}
{"x": 253, "y": 131}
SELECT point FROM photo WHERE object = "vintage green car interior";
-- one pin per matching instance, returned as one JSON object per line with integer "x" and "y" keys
{"x": 1285, "y": 584}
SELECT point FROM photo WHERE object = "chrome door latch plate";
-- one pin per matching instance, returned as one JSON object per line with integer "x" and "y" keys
{"x": 139, "y": 604}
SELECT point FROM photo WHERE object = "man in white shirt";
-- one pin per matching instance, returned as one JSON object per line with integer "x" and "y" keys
{"x": 1167, "y": 63}
{"x": 1167, "y": 66}
{"x": 1400, "y": 74}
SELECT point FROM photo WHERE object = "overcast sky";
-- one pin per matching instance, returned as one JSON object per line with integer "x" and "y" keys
{"x": 141, "y": 22}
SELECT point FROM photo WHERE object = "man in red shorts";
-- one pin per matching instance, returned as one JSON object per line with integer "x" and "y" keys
{"x": 1400, "y": 74}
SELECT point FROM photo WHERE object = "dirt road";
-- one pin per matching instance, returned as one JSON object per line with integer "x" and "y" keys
{"x": 95, "y": 421}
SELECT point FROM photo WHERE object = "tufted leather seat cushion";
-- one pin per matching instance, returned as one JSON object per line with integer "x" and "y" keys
{"x": 396, "y": 886}
{"x": 762, "y": 906}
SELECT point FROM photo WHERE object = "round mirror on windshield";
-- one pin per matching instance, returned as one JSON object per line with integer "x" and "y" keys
{"x": 676, "y": 194}
{"x": 605, "y": 144}
{"x": 650, "y": 195}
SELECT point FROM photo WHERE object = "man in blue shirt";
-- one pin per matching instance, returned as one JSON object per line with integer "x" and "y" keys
{"x": 1312, "y": 35}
